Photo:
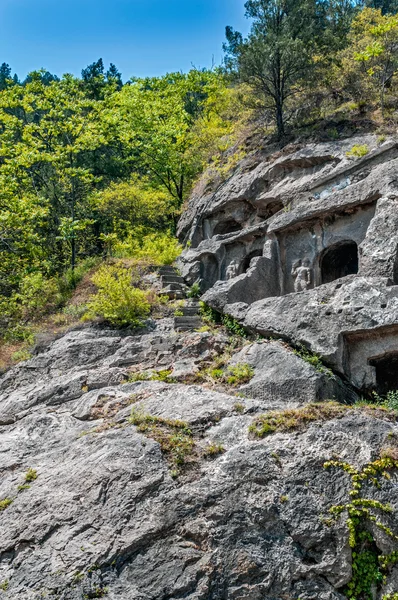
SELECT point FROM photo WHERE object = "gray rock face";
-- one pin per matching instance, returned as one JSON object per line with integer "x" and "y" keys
{"x": 326, "y": 275}
{"x": 283, "y": 378}
{"x": 127, "y": 475}
{"x": 106, "y": 518}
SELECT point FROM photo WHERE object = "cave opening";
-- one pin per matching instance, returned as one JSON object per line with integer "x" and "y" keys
{"x": 386, "y": 372}
{"x": 226, "y": 227}
{"x": 249, "y": 258}
{"x": 339, "y": 261}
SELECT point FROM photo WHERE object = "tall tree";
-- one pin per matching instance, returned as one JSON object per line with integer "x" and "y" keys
{"x": 93, "y": 78}
{"x": 157, "y": 120}
{"x": 5, "y": 75}
{"x": 114, "y": 76}
{"x": 276, "y": 57}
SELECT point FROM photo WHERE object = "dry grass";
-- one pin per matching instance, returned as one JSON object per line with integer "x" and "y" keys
{"x": 296, "y": 418}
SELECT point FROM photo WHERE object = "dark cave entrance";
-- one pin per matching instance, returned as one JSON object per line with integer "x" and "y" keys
{"x": 249, "y": 258}
{"x": 339, "y": 261}
{"x": 227, "y": 227}
{"x": 386, "y": 372}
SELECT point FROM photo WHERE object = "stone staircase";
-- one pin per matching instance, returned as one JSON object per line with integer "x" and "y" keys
{"x": 191, "y": 318}
{"x": 173, "y": 285}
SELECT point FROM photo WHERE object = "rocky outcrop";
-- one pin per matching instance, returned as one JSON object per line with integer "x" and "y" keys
{"x": 182, "y": 462}
{"x": 323, "y": 270}
{"x": 107, "y": 516}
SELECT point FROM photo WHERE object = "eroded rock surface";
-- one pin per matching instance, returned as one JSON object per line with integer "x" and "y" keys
{"x": 301, "y": 248}
{"x": 321, "y": 267}
{"x": 106, "y": 516}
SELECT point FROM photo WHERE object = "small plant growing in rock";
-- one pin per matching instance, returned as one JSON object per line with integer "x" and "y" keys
{"x": 358, "y": 151}
{"x": 296, "y": 418}
{"x": 313, "y": 359}
{"x": 284, "y": 499}
{"x": 5, "y": 503}
{"x": 368, "y": 563}
{"x": 4, "y": 585}
{"x": 21, "y": 356}
{"x": 390, "y": 400}
{"x": 22, "y": 488}
{"x": 175, "y": 437}
{"x": 195, "y": 291}
{"x": 31, "y": 475}
{"x": 164, "y": 376}
{"x": 209, "y": 315}
{"x": 233, "y": 326}
{"x": 239, "y": 374}
{"x": 239, "y": 408}
{"x": 214, "y": 450}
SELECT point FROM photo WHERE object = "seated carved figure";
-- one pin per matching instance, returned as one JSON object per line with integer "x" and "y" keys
{"x": 301, "y": 272}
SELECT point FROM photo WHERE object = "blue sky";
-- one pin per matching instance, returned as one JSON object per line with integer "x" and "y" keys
{"x": 142, "y": 37}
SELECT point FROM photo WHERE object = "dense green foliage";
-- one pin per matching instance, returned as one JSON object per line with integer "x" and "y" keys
{"x": 89, "y": 167}
{"x": 297, "y": 51}
{"x": 93, "y": 167}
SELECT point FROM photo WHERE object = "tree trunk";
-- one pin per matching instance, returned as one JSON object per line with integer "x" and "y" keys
{"x": 280, "y": 124}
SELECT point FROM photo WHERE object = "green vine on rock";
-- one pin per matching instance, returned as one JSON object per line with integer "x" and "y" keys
{"x": 368, "y": 565}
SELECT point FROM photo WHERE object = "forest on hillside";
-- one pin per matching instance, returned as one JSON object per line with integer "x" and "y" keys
{"x": 95, "y": 168}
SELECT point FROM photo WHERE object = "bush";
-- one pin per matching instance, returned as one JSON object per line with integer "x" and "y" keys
{"x": 156, "y": 248}
{"x": 195, "y": 291}
{"x": 116, "y": 300}
{"x": 358, "y": 151}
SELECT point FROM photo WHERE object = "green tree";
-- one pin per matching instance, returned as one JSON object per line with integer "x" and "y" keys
{"x": 5, "y": 75}
{"x": 157, "y": 120}
{"x": 386, "y": 6}
{"x": 48, "y": 130}
{"x": 93, "y": 78}
{"x": 380, "y": 56}
{"x": 277, "y": 56}
{"x": 114, "y": 76}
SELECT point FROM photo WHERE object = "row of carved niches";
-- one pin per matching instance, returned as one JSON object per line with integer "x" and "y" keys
{"x": 337, "y": 261}
{"x": 322, "y": 251}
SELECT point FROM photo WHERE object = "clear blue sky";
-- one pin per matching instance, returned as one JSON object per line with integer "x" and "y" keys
{"x": 142, "y": 37}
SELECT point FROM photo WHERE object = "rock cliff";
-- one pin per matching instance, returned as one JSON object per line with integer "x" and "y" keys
{"x": 130, "y": 473}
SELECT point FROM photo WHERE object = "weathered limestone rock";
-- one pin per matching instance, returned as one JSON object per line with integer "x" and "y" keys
{"x": 284, "y": 379}
{"x": 301, "y": 247}
{"x": 106, "y": 518}
{"x": 327, "y": 273}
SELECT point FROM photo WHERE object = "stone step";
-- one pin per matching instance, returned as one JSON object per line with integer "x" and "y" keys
{"x": 167, "y": 271}
{"x": 175, "y": 286}
{"x": 190, "y": 311}
{"x": 172, "y": 293}
{"x": 187, "y": 323}
{"x": 172, "y": 279}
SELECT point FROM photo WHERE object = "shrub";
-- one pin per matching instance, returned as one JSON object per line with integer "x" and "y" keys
{"x": 195, "y": 291}
{"x": 358, "y": 151}
{"x": 156, "y": 248}
{"x": 5, "y": 503}
{"x": 31, "y": 475}
{"x": 116, "y": 300}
